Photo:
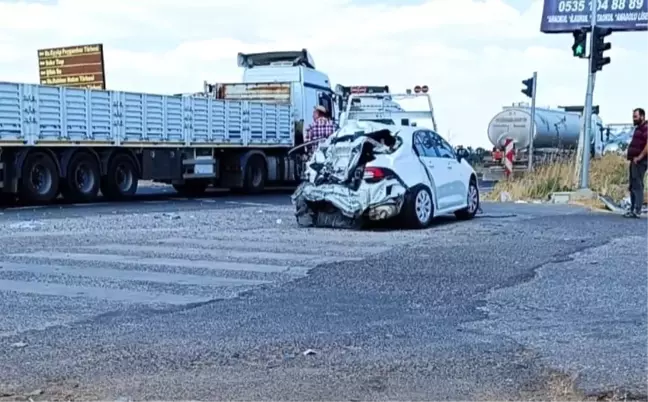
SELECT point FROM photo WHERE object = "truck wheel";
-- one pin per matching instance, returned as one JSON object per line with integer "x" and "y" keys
{"x": 191, "y": 188}
{"x": 82, "y": 178}
{"x": 121, "y": 179}
{"x": 418, "y": 208}
{"x": 40, "y": 179}
{"x": 255, "y": 175}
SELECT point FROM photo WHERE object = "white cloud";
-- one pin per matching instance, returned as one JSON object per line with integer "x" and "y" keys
{"x": 473, "y": 54}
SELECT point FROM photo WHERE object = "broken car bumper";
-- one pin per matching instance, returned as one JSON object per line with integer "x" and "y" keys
{"x": 376, "y": 201}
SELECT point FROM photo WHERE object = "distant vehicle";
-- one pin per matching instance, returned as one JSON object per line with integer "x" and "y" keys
{"x": 77, "y": 142}
{"x": 556, "y": 135}
{"x": 374, "y": 171}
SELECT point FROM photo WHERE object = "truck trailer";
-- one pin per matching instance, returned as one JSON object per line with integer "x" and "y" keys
{"x": 75, "y": 143}
{"x": 555, "y": 136}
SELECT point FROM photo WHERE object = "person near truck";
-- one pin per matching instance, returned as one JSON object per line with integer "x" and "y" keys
{"x": 321, "y": 128}
{"x": 638, "y": 157}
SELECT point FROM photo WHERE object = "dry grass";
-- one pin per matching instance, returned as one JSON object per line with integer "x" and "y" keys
{"x": 608, "y": 177}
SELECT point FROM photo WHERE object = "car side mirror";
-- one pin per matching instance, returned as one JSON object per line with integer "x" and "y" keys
{"x": 462, "y": 153}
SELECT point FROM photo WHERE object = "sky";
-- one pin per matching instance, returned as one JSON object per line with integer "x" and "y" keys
{"x": 472, "y": 54}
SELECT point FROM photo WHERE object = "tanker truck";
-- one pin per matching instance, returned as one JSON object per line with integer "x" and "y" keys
{"x": 556, "y": 135}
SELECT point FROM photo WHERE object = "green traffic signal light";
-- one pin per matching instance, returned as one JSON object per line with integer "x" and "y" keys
{"x": 580, "y": 40}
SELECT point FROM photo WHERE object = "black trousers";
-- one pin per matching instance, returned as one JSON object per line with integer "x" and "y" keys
{"x": 637, "y": 173}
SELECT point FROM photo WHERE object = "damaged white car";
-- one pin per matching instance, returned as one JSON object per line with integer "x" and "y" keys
{"x": 369, "y": 171}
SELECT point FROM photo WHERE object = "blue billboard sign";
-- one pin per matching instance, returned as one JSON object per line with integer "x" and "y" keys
{"x": 561, "y": 16}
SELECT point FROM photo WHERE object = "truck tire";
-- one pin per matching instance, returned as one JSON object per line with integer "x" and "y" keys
{"x": 82, "y": 179}
{"x": 39, "y": 182}
{"x": 191, "y": 188}
{"x": 255, "y": 175}
{"x": 121, "y": 178}
{"x": 418, "y": 208}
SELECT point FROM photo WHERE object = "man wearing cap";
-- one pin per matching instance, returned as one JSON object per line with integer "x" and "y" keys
{"x": 321, "y": 127}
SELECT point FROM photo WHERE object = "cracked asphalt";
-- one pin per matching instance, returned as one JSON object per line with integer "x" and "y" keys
{"x": 228, "y": 299}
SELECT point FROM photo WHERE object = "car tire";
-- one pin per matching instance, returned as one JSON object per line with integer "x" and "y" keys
{"x": 418, "y": 208}
{"x": 473, "y": 203}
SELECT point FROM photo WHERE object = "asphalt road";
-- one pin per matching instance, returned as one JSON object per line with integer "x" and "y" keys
{"x": 220, "y": 298}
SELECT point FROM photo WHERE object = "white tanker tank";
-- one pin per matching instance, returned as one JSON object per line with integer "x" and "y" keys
{"x": 553, "y": 128}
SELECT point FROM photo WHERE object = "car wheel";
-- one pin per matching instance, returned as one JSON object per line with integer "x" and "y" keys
{"x": 473, "y": 203}
{"x": 418, "y": 209}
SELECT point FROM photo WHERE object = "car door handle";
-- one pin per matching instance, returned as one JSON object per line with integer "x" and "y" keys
{"x": 449, "y": 166}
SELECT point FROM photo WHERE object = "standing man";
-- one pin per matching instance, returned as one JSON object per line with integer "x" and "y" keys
{"x": 321, "y": 127}
{"x": 638, "y": 157}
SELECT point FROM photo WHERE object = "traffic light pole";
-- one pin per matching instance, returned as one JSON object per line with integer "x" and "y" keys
{"x": 585, "y": 138}
{"x": 532, "y": 125}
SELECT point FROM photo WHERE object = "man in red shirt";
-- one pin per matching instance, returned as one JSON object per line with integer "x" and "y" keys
{"x": 638, "y": 157}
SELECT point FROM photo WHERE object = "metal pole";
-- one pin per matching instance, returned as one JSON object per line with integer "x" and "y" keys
{"x": 587, "y": 113}
{"x": 532, "y": 125}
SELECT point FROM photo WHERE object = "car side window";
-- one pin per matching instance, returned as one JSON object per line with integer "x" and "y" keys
{"x": 442, "y": 147}
{"x": 423, "y": 144}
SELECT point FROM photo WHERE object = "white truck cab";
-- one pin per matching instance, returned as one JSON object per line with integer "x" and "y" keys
{"x": 284, "y": 76}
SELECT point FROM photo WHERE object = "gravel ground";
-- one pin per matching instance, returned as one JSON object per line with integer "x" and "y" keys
{"x": 225, "y": 300}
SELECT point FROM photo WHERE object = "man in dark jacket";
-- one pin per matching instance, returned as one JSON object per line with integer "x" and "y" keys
{"x": 638, "y": 157}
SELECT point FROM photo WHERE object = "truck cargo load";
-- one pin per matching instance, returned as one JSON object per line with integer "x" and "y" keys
{"x": 75, "y": 143}
{"x": 39, "y": 115}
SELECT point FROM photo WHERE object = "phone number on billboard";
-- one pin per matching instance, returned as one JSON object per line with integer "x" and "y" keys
{"x": 576, "y": 6}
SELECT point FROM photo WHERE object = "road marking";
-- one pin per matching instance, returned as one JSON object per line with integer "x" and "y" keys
{"x": 159, "y": 266}
{"x": 312, "y": 249}
{"x": 72, "y": 291}
{"x": 169, "y": 262}
{"x": 249, "y": 204}
{"x": 27, "y": 207}
{"x": 305, "y": 237}
{"x": 130, "y": 275}
{"x": 219, "y": 254}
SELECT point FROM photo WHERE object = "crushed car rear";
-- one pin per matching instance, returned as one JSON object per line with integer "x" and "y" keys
{"x": 348, "y": 181}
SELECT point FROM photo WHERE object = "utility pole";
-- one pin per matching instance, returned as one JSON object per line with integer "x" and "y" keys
{"x": 585, "y": 140}
{"x": 532, "y": 125}
{"x": 530, "y": 91}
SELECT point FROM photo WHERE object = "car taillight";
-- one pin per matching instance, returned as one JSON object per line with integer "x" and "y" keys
{"x": 374, "y": 174}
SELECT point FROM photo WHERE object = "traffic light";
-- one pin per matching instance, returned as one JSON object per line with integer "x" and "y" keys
{"x": 528, "y": 83}
{"x": 600, "y": 46}
{"x": 580, "y": 43}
